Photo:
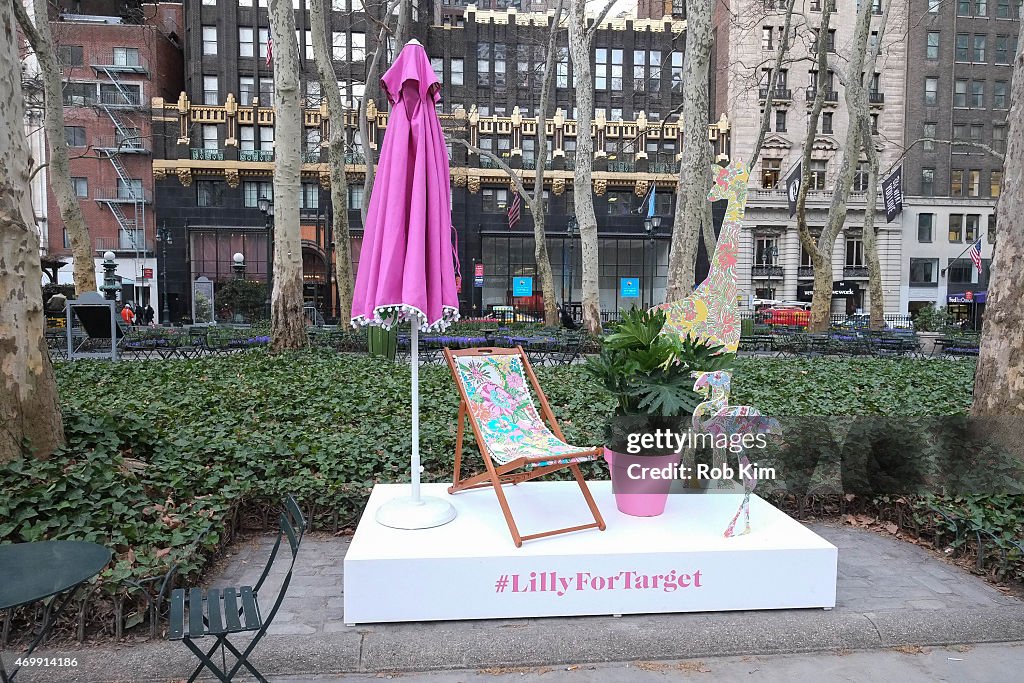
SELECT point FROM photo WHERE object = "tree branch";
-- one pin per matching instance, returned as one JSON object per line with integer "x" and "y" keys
{"x": 767, "y": 114}
{"x": 520, "y": 188}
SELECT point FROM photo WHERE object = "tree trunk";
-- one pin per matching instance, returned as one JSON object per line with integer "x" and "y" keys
{"x": 877, "y": 306}
{"x": 287, "y": 324}
{"x": 40, "y": 38}
{"x": 693, "y": 210}
{"x": 29, "y": 409}
{"x": 322, "y": 53}
{"x": 538, "y": 205}
{"x": 999, "y": 380}
{"x": 580, "y": 40}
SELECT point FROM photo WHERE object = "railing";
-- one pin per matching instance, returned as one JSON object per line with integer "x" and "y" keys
{"x": 805, "y": 272}
{"x": 621, "y": 166}
{"x": 132, "y": 145}
{"x": 130, "y": 98}
{"x": 778, "y": 94}
{"x": 132, "y": 62}
{"x": 128, "y": 241}
{"x": 311, "y": 157}
{"x": 831, "y": 96}
{"x": 203, "y": 154}
{"x": 122, "y": 194}
{"x": 855, "y": 271}
{"x": 662, "y": 167}
{"x": 254, "y": 155}
{"x": 876, "y": 97}
{"x": 771, "y": 271}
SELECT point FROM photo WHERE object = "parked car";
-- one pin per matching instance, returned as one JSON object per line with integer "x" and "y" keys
{"x": 790, "y": 317}
{"x": 857, "y": 321}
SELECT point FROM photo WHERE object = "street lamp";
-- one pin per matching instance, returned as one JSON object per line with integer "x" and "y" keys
{"x": 266, "y": 207}
{"x": 163, "y": 236}
{"x": 651, "y": 225}
{"x": 110, "y": 283}
{"x": 570, "y": 233}
{"x": 239, "y": 265}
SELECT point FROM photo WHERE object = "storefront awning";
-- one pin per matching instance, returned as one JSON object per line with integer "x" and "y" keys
{"x": 961, "y": 298}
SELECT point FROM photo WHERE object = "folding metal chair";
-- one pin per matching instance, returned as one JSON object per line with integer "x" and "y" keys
{"x": 220, "y": 612}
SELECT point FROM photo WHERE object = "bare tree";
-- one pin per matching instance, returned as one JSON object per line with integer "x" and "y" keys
{"x": 287, "y": 324}
{"x": 693, "y": 211}
{"x": 40, "y": 38}
{"x": 998, "y": 389}
{"x": 781, "y": 54}
{"x": 322, "y": 54}
{"x": 29, "y": 409}
{"x": 581, "y": 44}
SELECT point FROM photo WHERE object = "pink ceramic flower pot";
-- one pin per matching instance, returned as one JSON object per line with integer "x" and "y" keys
{"x": 639, "y": 489}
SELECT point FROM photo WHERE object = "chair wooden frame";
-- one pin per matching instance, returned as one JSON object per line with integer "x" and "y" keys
{"x": 497, "y": 474}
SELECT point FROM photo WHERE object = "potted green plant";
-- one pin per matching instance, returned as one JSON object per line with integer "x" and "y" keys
{"x": 650, "y": 376}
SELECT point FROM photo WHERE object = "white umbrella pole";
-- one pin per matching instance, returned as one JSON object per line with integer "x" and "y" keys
{"x": 415, "y": 511}
{"x": 415, "y": 411}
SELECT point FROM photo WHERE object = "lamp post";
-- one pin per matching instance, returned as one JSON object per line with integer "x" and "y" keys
{"x": 651, "y": 226}
{"x": 570, "y": 233}
{"x": 266, "y": 207}
{"x": 110, "y": 283}
{"x": 239, "y": 265}
{"x": 163, "y": 236}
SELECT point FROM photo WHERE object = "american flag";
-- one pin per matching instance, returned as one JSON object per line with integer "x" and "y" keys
{"x": 975, "y": 254}
{"x": 514, "y": 210}
{"x": 270, "y": 50}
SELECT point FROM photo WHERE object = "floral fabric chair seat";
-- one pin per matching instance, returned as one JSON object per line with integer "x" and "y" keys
{"x": 500, "y": 401}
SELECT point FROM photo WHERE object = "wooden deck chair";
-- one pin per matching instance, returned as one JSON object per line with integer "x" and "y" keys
{"x": 517, "y": 445}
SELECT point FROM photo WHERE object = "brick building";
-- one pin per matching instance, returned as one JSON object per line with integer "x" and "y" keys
{"x": 111, "y": 69}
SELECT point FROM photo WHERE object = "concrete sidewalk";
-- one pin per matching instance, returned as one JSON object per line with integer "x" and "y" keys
{"x": 890, "y": 593}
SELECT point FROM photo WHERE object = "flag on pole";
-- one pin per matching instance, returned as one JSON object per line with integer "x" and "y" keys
{"x": 514, "y": 210}
{"x": 650, "y": 202}
{"x": 647, "y": 203}
{"x": 975, "y": 254}
{"x": 270, "y": 50}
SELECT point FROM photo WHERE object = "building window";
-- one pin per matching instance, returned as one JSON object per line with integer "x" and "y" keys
{"x": 266, "y": 92}
{"x": 770, "y": 171}
{"x": 932, "y": 49}
{"x": 339, "y": 46}
{"x": 209, "y": 40}
{"x": 927, "y": 182}
{"x": 928, "y": 132}
{"x": 211, "y": 92}
{"x": 924, "y": 271}
{"x": 125, "y": 94}
{"x": 308, "y": 35}
{"x": 81, "y": 186}
{"x": 978, "y": 52}
{"x": 978, "y": 94}
{"x": 960, "y": 271}
{"x": 925, "y": 223}
{"x": 70, "y": 55}
{"x": 855, "y": 252}
{"x": 458, "y": 67}
{"x": 654, "y": 71}
{"x": 960, "y": 92}
{"x": 974, "y": 183}
{"x": 210, "y": 138}
{"x": 999, "y": 99}
{"x": 996, "y": 184}
{"x": 267, "y": 138}
{"x": 263, "y": 36}
{"x": 355, "y": 197}
{"x": 209, "y": 193}
{"x": 826, "y": 122}
{"x": 483, "y": 64}
{"x": 247, "y": 138}
{"x": 246, "y": 90}
{"x": 818, "y": 171}
{"x": 129, "y": 190}
{"x": 246, "y": 41}
{"x": 963, "y": 41}
{"x": 1003, "y": 9}
{"x": 601, "y": 69}
{"x": 860, "y": 177}
{"x": 956, "y": 183}
{"x": 677, "y": 72}
{"x": 874, "y": 124}
{"x": 562, "y": 69}
{"x": 75, "y": 136}
{"x": 972, "y": 222}
{"x": 933, "y": 5}
{"x": 79, "y": 94}
{"x": 1002, "y": 52}
{"x": 963, "y": 8}
{"x": 309, "y": 198}
{"x": 126, "y": 56}
{"x": 313, "y": 97}
{"x": 252, "y": 191}
{"x": 981, "y": 8}
{"x": 931, "y": 91}
{"x": 358, "y": 46}
{"x": 313, "y": 141}
{"x": 956, "y": 226}
{"x": 780, "y": 120}
{"x": 494, "y": 200}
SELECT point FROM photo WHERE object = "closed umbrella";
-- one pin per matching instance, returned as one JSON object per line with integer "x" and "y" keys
{"x": 407, "y": 264}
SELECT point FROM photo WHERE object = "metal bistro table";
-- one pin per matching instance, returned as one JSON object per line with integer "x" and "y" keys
{"x": 30, "y": 572}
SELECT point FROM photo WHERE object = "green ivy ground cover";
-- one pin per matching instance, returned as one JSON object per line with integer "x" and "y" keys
{"x": 160, "y": 450}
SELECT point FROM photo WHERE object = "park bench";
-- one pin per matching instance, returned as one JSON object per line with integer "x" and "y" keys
{"x": 220, "y": 612}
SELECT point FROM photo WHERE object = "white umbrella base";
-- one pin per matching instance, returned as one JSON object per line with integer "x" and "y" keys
{"x": 409, "y": 513}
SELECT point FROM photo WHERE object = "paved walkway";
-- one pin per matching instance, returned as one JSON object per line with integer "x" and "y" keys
{"x": 890, "y": 593}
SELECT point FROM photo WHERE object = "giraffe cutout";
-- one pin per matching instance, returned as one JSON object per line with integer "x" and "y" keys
{"x": 710, "y": 313}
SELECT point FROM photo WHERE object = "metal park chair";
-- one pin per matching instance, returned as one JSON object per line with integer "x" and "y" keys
{"x": 221, "y": 612}
{"x": 517, "y": 446}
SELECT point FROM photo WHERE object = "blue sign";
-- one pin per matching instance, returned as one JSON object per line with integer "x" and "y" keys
{"x": 522, "y": 286}
{"x": 629, "y": 287}
{"x": 478, "y": 281}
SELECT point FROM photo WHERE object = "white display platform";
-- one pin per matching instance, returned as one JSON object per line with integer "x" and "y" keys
{"x": 470, "y": 568}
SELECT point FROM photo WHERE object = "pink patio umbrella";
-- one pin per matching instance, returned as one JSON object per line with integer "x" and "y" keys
{"x": 407, "y": 265}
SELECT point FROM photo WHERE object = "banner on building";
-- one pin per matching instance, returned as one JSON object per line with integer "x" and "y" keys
{"x": 793, "y": 187}
{"x": 892, "y": 192}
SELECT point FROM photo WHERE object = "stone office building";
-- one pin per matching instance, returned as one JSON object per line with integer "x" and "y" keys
{"x": 217, "y": 160}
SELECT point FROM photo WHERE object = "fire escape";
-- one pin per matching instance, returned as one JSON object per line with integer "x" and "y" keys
{"x": 128, "y": 201}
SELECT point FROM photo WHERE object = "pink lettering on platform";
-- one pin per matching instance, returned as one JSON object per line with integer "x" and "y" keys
{"x": 553, "y": 582}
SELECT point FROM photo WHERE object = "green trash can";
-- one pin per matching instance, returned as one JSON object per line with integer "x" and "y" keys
{"x": 381, "y": 342}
